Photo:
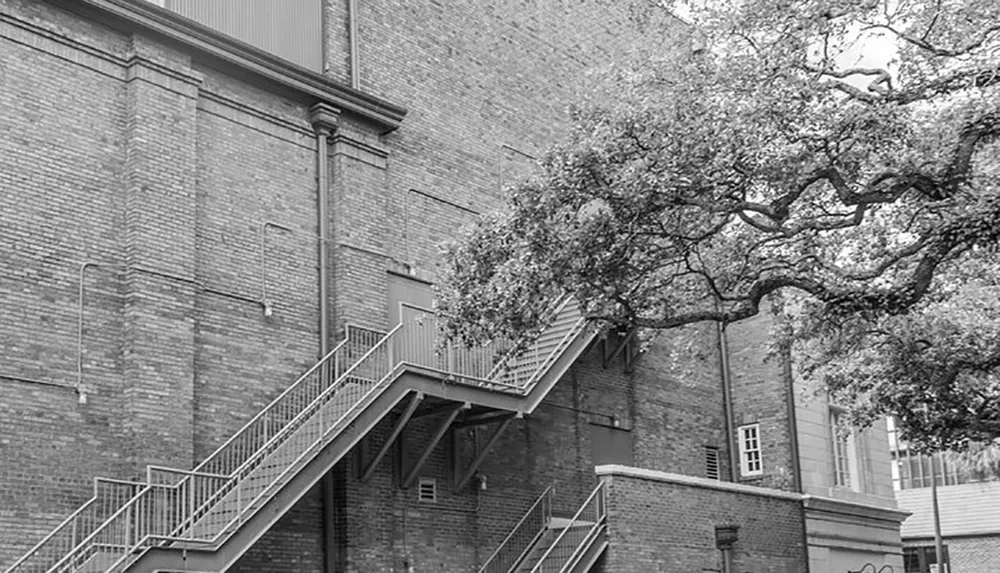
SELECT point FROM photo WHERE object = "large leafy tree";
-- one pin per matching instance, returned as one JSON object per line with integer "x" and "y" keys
{"x": 776, "y": 155}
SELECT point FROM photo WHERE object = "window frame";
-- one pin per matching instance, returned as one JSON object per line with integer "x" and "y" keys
{"x": 751, "y": 458}
{"x": 845, "y": 452}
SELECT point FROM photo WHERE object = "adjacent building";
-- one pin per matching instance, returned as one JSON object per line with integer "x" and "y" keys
{"x": 968, "y": 512}
{"x": 217, "y": 345}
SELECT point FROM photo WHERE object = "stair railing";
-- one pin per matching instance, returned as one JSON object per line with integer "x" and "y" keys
{"x": 495, "y": 365}
{"x": 523, "y": 536}
{"x": 505, "y": 364}
{"x": 201, "y": 505}
{"x": 159, "y": 511}
{"x": 271, "y": 419}
{"x": 591, "y": 515}
{"x": 527, "y": 377}
{"x": 109, "y": 496}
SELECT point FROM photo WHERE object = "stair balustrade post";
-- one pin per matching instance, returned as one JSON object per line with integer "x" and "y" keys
{"x": 322, "y": 428}
{"x": 451, "y": 358}
{"x": 190, "y": 517}
{"x": 391, "y": 350}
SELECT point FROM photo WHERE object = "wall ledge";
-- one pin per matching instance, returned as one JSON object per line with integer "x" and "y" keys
{"x": 652, "y": 475}
{"x": 818, "y": 504}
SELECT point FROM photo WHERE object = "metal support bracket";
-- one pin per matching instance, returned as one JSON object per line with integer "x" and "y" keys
{"x": 411, "y": 475}
{"x": 607, "y": 357}
{"x": 505, "y": 420}
{"x": 369, "y": 469}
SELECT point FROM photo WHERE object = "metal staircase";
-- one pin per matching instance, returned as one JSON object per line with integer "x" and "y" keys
{"x": 540, "y": 543}
{"x": 204, "y": 519}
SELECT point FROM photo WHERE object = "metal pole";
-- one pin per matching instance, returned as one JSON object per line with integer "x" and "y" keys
{"x": 938, "y": 545}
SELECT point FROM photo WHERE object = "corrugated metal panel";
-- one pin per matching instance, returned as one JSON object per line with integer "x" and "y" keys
{"x": 965, "y": 509}
{"x": 290, "y": 29}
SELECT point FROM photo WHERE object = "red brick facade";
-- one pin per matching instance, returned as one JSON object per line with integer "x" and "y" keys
{"x": 666, "y": 522}
{"x": 183, "y": 190}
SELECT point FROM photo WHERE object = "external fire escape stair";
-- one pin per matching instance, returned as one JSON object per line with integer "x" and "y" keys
{"x": 541, "y": 543}
{"x": 205, "y": 519}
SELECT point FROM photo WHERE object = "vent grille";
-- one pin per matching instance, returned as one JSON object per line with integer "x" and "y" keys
{"x": 427, "y": 490}
{"x": 712, "y": 462}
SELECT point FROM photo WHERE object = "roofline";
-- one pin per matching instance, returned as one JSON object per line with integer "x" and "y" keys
{"x": 220, "y": 50}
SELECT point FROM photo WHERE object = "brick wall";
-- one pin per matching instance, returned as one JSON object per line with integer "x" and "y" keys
{"x": 118, "y": 149}
{"x": 760, "y": 394}
{"x": 971, "y": 554}
{"x": 666, "y": 522}
{"x": 127, "y": 150}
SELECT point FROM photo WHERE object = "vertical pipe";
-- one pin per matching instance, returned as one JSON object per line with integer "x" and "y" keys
{"x": 352, "y": 22}
{"x": 793, "y": 426}
{"x": 322, "y": 177}
{"x": 727, "y": 560}
{"x": 727, "y": 399}
{"x": 324, "y": 119}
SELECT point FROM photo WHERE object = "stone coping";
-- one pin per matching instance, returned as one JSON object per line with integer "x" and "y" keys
{"x": 809, "y": 502}
{"x": 652, "y": 475}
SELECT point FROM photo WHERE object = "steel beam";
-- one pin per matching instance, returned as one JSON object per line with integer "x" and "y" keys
{"x": 435, "y": 439}
{"x": 483, "y": 419}
{"x": 507, "y": 419}
{"x": 400, "y": 424}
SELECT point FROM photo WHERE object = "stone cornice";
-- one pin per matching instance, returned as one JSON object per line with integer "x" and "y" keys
{"x": 218, "y": 48}
{"x": 838, "y": 506}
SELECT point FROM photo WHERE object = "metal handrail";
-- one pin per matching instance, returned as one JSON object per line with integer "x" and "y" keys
{"x": 266, "y": 409}
{"x": 556, "y": 351}
{"x": 285, "y": 432}
{"x": 190, "y": 473}
{"x": 548, "y": 514}
{"x": 189, "y": 504}
{"x": 53, "y": 533}
{"x": 601, "y": 508}
{"x": 69, "y": 521}
{"x": 499, "y": 368}
{"x": 94, "y": 534}
{"x": 602, "y": 504}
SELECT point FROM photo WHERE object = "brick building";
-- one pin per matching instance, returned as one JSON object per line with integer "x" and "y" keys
{"x": 199, "y": 200}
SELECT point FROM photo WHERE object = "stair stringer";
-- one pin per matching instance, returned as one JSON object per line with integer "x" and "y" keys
{"x": 190, "y": 557}
{"x": 595, "y": 544}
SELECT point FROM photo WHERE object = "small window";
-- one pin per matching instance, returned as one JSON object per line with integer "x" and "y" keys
{"x": 427, "y": 490}
{"x": 845, "y": 454}
{"x": 711, "y": 462}
{"x": 749, "y": 442}
{"x": 923, "y": 559}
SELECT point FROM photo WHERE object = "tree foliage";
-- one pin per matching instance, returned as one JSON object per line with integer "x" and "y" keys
{"x": 770, "y": 159}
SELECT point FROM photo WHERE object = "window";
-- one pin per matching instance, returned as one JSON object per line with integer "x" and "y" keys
{"x": 845, "y": 452}
{"x": 912, "y": 470}
{"x": 749, "y": 442}
{"x": 923, "y": 559}
{"x": 427, "y": 490}
{"x": 289, "y": 29}
{"x": 711, "y": 462}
